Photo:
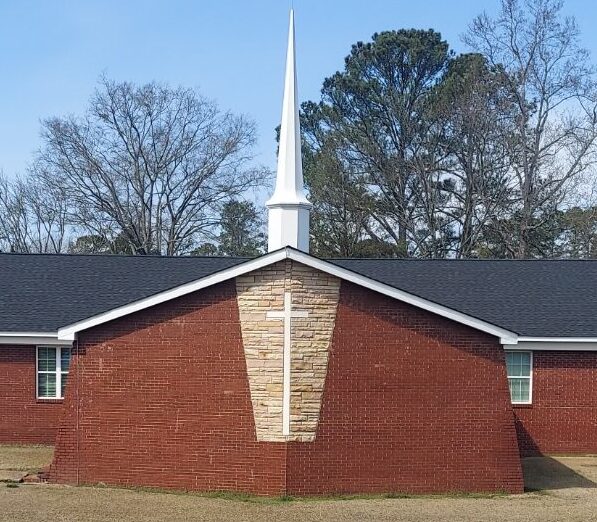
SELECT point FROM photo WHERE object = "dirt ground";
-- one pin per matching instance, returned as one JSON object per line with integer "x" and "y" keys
{"x": 562, "y": 488}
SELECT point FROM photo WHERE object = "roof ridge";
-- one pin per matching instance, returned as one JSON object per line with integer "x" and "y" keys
{"x": 430, "y": 260}
{"x": 149, "y": 256}
{"x": 330, "y": 259}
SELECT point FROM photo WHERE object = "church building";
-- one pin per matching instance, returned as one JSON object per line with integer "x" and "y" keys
{"x": 288, "y": 374}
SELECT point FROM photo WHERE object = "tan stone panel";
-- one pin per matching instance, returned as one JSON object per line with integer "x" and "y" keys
{"x": 263, "y": 291}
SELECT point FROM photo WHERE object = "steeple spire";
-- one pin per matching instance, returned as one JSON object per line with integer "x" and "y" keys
{"x": 289, "y": 208}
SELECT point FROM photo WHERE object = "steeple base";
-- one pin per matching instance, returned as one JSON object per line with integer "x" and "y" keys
{"x": 288, "y": 225}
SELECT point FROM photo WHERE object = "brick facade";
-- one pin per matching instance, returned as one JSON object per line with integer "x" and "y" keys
{"x": 563, "y": 416}
{"x": 385, "y": 397}
{"x": 23, "y": 418}
{"x": 163, "y": 400}
{"x": 411, "y": 403}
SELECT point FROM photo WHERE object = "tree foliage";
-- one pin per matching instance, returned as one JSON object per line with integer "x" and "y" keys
{"x": 242, "y": 233}
{"x": 412, "y": 150}
{"x": 437, "y": 155}
{"x": 551, "y": 83}
{"x": 147, "y": 170}
{"x": 371, "y": 127}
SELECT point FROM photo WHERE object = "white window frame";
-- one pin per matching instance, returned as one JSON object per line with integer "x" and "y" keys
{"x": 530, "y": 378}
{"x": 58, "y": 372}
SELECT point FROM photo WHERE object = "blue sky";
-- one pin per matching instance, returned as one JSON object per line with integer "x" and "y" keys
{"x": 53, "y": 52}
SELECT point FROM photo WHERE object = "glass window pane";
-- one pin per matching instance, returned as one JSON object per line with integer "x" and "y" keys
{"x": 65, "y": 359}
{"x": 63, "y": 384}
{"x": 46, "y": 385}
{"x": 510, "y": 361}
{"x": 518, "y": 364}
{"x": 513, "y": 389}
{"x": 526, "y": 366}
{"x": 526, "y": 390}
{"x": 46, "y": 359}
{"x": 520, "y": 390}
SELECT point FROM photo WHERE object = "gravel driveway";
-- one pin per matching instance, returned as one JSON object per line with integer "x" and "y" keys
{"x": 567, "y": 491}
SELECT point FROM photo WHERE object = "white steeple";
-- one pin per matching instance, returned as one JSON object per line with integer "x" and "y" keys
{"x": 288, "y": 208}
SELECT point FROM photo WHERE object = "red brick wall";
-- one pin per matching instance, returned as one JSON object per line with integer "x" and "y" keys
{"x": 563, "y": 416}
{"x": 164, "y": 401}
{"x": 412, "y": 403}
{"x": 23, "y": 418}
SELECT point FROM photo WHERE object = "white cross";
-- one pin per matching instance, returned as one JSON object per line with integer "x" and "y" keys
{"x": 287, "y": 315}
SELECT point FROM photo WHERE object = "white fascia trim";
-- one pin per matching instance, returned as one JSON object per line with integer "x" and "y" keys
{"x": 47, "y": 338}
{"x": 68, "y": 333}
{"x": 443, "y": 311}
{"x": 558, "y": 339}
{"x": 554, "y": 344}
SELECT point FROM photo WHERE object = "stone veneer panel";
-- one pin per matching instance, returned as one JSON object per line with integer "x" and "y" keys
{"x": 263, "y": 291}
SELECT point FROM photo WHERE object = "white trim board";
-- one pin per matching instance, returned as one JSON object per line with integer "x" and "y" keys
{"x": 69, "y": 332}
{"x": 523, "y": 339}
{"x": 47, "y": 338}
{"x": 549, "y": 344}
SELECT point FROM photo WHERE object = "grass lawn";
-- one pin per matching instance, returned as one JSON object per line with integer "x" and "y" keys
{"x": 562, "y": 489}
{"x": 25, "y": 458}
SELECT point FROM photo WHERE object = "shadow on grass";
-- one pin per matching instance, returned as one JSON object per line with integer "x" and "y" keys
{"x": 545, "y": 473}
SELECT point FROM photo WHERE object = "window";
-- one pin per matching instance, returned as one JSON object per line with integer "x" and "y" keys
{"x": 52, "y": 370}
{"x": 519, "y": 366}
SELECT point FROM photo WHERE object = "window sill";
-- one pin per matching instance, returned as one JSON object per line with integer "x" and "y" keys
{"x": 49, "y": 401}
{"x": 522, "y": 405}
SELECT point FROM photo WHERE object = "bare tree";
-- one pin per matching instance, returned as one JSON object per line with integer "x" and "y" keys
{"x": 33, "y": 216}
{"x": 13, "y": 218}
{"x": 552, "y": 86}
{"x": 151, "y": 165}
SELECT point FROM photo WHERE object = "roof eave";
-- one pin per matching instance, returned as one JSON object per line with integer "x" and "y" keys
{"x": 69, "y": 332}
{"x": 32, "y": 338}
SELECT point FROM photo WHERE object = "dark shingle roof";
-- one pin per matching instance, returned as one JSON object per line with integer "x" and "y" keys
{"x": 533, "y": 298}
{"x": 40, "y": 293}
